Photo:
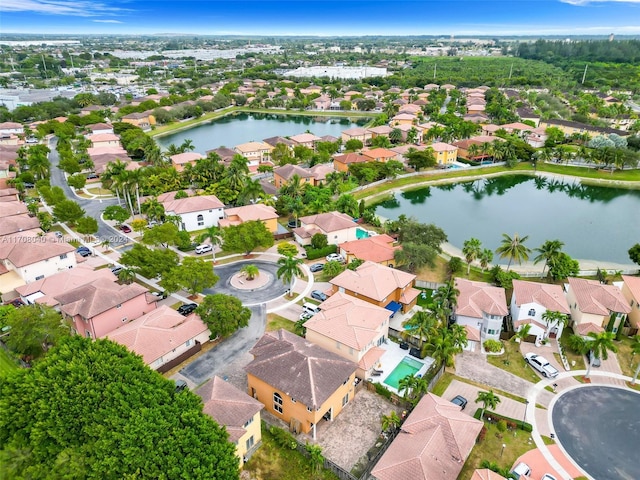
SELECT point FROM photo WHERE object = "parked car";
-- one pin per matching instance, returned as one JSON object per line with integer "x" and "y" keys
{"x": 116, "y": 270}
{"x": 541, "y": 364}
{"x": 318, "y": 295}
{"x": 460, "y": 401}
{"x": 180, "y": 385}
{"x": 548, "y": 476}
{"x": 92, "y": 176}
{"x": 305, "y": 316}
{"x": 204, "y": 248}
{"x": 316, "y": 267}
{"x": 521, "y": 469}
{"x": 310, "y": 308}
{"x": 159, "y": 294}
{"x": 187, "y": 308}
{"x": 335, "y": 257}
{"x": 83, "y": 251}
{"x": 125, "y": 228}
{"x": 595, "y": 361}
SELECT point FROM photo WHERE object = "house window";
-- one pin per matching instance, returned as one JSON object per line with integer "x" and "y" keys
{"x": 39, "y": 277}
{"x": 532, "y": 312}
{"x": 277, "y": 402}
{"x": 345, "y": 399}
{"x": 63, "y": 256}
{"x": 248, "y": 422}
{"x": 250, "y": 442}
{"x": 187, "y": 343}
{"x": 200, "y": 219}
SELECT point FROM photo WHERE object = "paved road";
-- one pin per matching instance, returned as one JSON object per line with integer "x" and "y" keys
{"x": 93, "y": 208}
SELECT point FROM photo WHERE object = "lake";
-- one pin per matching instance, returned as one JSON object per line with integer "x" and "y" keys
{"x": 237, "y": 128}
{"x": 595, "y": 223}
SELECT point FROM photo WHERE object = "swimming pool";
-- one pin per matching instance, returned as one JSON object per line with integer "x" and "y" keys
{"x": 360, "y": 233}
{"x": 408, "y": 366}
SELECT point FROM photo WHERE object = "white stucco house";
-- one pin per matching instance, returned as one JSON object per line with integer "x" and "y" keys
{"x": 531, "y": 300}
{"x": 481, "y": 307}
{"x": 338, "y": 227}
{"x": 196, "y": 213}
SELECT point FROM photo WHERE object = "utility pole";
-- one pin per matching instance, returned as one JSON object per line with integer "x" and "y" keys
{"x": 584, "y": 75}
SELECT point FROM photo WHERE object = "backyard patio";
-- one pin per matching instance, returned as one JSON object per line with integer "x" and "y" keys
{"x": 396, "y": 363}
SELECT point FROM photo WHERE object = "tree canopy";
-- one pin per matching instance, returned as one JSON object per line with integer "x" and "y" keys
{"x": 193, "y": 274}
{"x": 149, "y": 263}
{"x": 223, "y": 314}
{"x": 92, "y": 410}
{"x": 247, "y": 236}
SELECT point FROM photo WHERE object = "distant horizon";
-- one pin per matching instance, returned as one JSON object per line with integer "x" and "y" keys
{"x": 322, "y": 19}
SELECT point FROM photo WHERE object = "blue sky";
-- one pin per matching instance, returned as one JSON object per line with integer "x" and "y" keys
{"x": 329, "y": 17}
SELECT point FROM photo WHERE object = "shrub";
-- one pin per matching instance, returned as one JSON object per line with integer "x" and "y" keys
{"x": 319, "y": 241}
{"x": 313, "y": 253}
{"x": 482, "y": 434}
{"x": 496, "y": 417}
{"x": 382, "y": 390}
{"x": 283, "y": 438}
{"x": 502, "y": 425}
{"x": 492, "y": 346}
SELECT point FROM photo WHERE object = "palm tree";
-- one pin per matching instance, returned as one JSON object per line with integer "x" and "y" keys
{"x": 548, "y": 252}
{"x": 488, "y": 399}
{"x": 187, "y": 145}
{"x": 471, "y": 250}
{"x": 486, "y": 257}
{"x": 252, "y": 190}
{"x": 251, "y": 271}
{"x": 473, "y": 151}
{"x": 552, "y": 318}
{"x": 599, "y": 344}
{"x": 635, "y": 349}
{"x": 442, "y": 347}
{"x": 513, "y": 248}
{"x": 127, "y": 276}
{"x": 390, "y": 422}
{"x": 446, "y": 297}
{"x": 421, "y": 325}
{"x": 153, "y": 209}
{"x": 213, "y": 234}
{"x": 299, "y": 328}
{"x": 523, "y": 332}
{"x": 288, "y": 270}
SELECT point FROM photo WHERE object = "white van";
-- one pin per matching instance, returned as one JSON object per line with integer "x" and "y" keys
{"x": 204, "y": 248}
{"x": 310, "y": 308}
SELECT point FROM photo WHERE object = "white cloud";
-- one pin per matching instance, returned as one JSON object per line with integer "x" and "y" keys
{"x": 77, "y": 8}
{"x": 108, "y": 21}
{"x": 587, "y": 2}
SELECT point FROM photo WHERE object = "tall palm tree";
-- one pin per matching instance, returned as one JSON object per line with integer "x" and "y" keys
{"x": 486, "y": 257}
{"x": 288, "y": 270}
{"x": 153, "y": 209}
{"x": 214, "y": 235}
{"x": 552, "y": 318}
{"x": 471, "y": 250}
{"x": 420, "y": 325}
{"x": 446, "y": 296}
{"x": 548, "y": 252}
{"x": 442, "y": 347}
{"x": 488, "y": 400}
{"x": 252, "y": 190}
{"x": 600, "y": 344}
{"x": 513, "y": 248}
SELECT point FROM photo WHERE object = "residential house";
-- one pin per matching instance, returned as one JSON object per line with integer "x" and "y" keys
{"x": 320, "y": 172}
{"x": 434, "y": 443}
{"x": 225, "y": 154}
{"x": 381, "y": 131}
{"x": 32, "y": 256}
{"x": 263, "y": 213}
{"x": 323, "y": 102}
{"x": 102, "y": 160}
{"x": 445, "y": 153}
{"x": 98, "y": 308}
{"x": 526, "y": 113}
{"x": 463, "y": 149}
{"x": 338, "y": 227}
{"x": 486, "y": 474}
{"x": 162, "y": 337}
{"x": 595, "y": 307}
{"x": 383, "y": 286}
{"x": 273, "y": 141}
{"x": 569, "y": 128}
{"x": 351, "y": 328}
{"x": 378, "y": 249}
{"x": 305, "y": 139}
{"x": 341, "y": 162}
{"x": 255, "y": 152}
{"x": 481, "y": 306}
{"x": 18, "y": 223}
{"x": 537, "y": 137}
{"x": 10, "y": 140}
{"x": 45, "y": 290}
{"x": 196, "y": 213}
{"x": 299, "y": 382}
{"x": 282, "y": 175}
{"x": 631, "y": 291}
{"x": 476, "y": 118}
{"x": 99, "y": 140}
{"x": 144, "y": 120}
{"x": 99, "y": 128}
{"x": 403, "y": 119}
{"x": 357, "y": 133}
{"x": 529, "y": 302}
{"x": 13, "y": 207}
{"x": 237, "y": 412}
{"x": 181, "y": 159}
{"x": 379, "y": 155}
{"x": 402, "y": 150}
{"x": 11, "y": 128}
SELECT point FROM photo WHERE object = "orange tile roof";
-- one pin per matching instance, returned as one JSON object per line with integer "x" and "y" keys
{"x": 633, "y": 284}
{"x": 476, "y": 298}
{"x": 378, "y": 248}
{"x": 551, "y": 297}
{"x": 596, "y": 298}
{"x": 373, "y": 280}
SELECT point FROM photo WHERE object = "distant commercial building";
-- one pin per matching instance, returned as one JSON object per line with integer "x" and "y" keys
{"x": 13, "y": 98}
{"x": 338, "y": 72}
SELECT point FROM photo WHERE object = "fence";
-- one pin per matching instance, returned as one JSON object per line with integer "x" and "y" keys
{"x": 281, "y": 236}
{"x": 428, "y": 285}
{"x": 180, "y": 358}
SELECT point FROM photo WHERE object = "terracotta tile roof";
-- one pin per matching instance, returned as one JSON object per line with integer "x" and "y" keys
{"x": 103, "y": 137}
{"x": 186, "y": 157}
{"x": 529, "y": 321}
{"x": 225, "y": 154}
{"x": 99, "y": 126}
{"x": 304, "y": 138}
{"x": 378, "y": 249}
{"x": 10, "y": 125}
{"x": 375, "y": 153}
{"x": 486, "y": 474}
{"x": 433, "y": 443}
{"x": 273, "y": 141}
{"x": 289, "y": 170}
{"x": 62, "y": 282}
{"x": 97, "y": 297}
{"x": 355, "y": 132}
{"x": 476, "y": 298}
{"x": 349, "y": 158}
{"x": 253, "y": 147}
{"x": 486, "y": 139}
{"x": 158, "y": 332}
{"x": 633, "y": 284}
{"x": 596, "y": 298}
{"x": 191, "y": 204}
{"x": 551, "y": 297}
{"x": 18, "y": 223}
{"x": 371, "y": 358}
{"x": 256, "y": 211}
{"x": 321, "y": 170}
{"x": 517, "y": 126}
{"x": 381, "y": 130}
{"x": 228, "y": 406}
{"x": 327, "y": 222}
{"x": 443, "y": 147}
{"x": 300, "y": 369}
{"x": 349, "y": 320}
{"x": 27, "y": 248}
{"x": 10, "y": 193}
{"x": 373, "y": 280}
{"x": 12, "y": 208}
{"x": 473, "y": 334}
{"x": 404, "y": 116}
{"x": 585, "y": 328}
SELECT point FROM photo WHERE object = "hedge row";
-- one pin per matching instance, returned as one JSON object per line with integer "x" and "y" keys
{"x": 313, "y": 253}
{"x": 527, "y": 427}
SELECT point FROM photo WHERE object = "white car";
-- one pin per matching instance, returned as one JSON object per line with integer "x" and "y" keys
{"x": 541, "y": 364}
{"x": 548, "y": 476}
{"x": 204, "y": 248}
{"x": 335, "y": 257}
{"x": 521, "y": 469}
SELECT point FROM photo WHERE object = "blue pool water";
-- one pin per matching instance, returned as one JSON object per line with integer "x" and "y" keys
{"x": 408, "y": 366}
{"x": 360, "y": 233}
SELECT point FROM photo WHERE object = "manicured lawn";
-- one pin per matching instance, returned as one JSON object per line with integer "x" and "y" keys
{"x": 576, "y": 361}
{"x": 424, "y": 299}
{"x": 6, "y": 364}
{"x": 272, "y": 462}
{"x": 447, "y": 378}
{"x": 512, "y": 361}
{"x": 276, "y": 322}
{"x": 628, "y": 362}
{"x": 490, "y": 448}
{"x": 442, "y": 385}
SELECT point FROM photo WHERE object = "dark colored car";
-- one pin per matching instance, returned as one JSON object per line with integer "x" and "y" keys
{"x": 318, "y": 295}
{"x": 293, "y": 224}
{"x": 460, "y": 401}
{"x": 92, "y": 176}
{"x": 316, "y": 267}
{"x": 162, "y": 294}
{"x": 125, "y": 228}
{"x": 180, "y": 385}
{"x": 187, "y": 308}
{"x": 83, "y": 251}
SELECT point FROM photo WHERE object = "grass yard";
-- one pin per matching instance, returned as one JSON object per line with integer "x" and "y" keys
{"x": 276, "y": 322}
{"x": 441, "y": 386}
{"x": 447, "y": 377}
{"x": 512, "y": 361}
{"x": 272, "y": 462}
{"x": 576, "y": 361}
{"x": 490, "y": 448}
{"x": 627, "y": 360}
{"x": 6, "y": 363}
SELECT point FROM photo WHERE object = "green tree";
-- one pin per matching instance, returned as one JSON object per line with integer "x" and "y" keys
{"x": 486, "y": 257}
{"x": 319, "y": 240}
{"x": 315, "y": 457}
{"x": 165, "y": 234}
{"x": 247, "y": 236}
{"x": 87, "y": 225}
{"x": 634, "y": 253}
{"x": 442, "y": 346}
{"x": 288, "y": 270}
{"x": 138, "y": 225}
{"x": 287, "y": 249}
{"x": 127, "y": 276}
{"x": 149, "y": 263}
{"x": 214, "y": 235}
{"x": 599, "y": 343}
{"x": 116, "y": 213}
{"x": 553, "y": 319}
{"x": 419, "y": 159}
{"x": 413, "y": 256}
{"x": 395, "y": 135}
{"x": 332, "y": 269}
{"x": 192, "y": 275}
{"x": 68, "y": 211}
{"x": 223, "y": 314}
{"x": 471, "y": 250}
{"x": 352, "y": 145}
{"x": 635, "y": 350}
{"x": 391, "y": 422}
{"x": 488, "y": 400}
{"x": 250, "y": 271}
{"x": 513, "y": 248}
{"x": 563, "y": 266}
{"x": 77, "y": 181}
{"x": 548, "y": 252}
{"x": 64, "y": 417}
{"x": 34, "y": 329}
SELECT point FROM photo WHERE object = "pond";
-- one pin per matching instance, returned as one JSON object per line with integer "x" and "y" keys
{"x": 242, "y": 127}
{"x": 595, "y": 223}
